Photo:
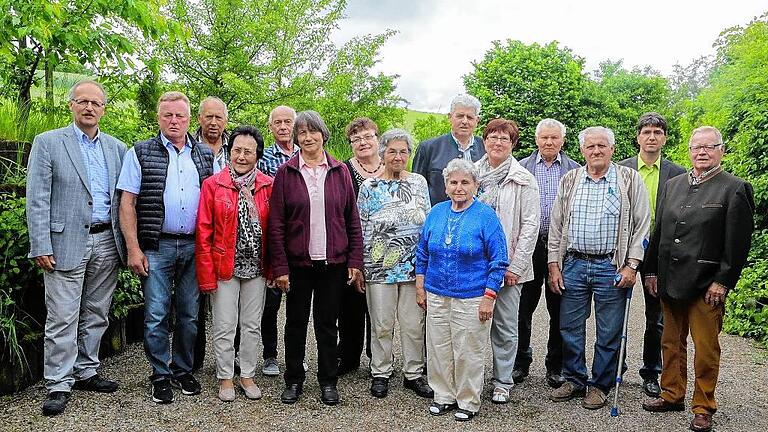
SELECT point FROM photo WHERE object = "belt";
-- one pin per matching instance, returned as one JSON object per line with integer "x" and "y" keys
{"x": 99, "y": 227}
{"x": 589, "y": 257}
{"x": 174, "y": 236}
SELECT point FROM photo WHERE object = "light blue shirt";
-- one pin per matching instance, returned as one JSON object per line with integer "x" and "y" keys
{"x": 594, "y": 226}
{"x": 182, "y": 187}
{"x": 466, "y": 154}
{"x": 98, "y": 175}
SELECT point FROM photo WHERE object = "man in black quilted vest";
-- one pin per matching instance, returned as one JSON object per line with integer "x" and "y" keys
{"x": 161, "y": 180}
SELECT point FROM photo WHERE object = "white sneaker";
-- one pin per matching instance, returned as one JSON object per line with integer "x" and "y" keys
{"x": 270, "y": 367}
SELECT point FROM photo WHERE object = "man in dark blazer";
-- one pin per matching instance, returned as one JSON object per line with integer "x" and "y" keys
{"x": 655, "y": 171}
{"x": 699, "y": 246}
{"x": 433, "y": 155}
{"x": 74, "y": 235}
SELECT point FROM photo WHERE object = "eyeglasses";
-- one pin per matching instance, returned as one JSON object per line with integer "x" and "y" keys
{"x": 503, "y": 140}
{"x": 85, "y": 102}
{"x": 708, "y": 147}
{"x": 360, "y": 139}
{"x": 393, "y": 153}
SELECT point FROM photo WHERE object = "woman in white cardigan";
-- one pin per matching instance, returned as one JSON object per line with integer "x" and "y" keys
{"x": 513, "y": 193}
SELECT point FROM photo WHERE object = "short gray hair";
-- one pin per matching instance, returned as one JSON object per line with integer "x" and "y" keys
{"x": 77, "y": 85}
{"x": 213, "y": 99}
{"x": 466, "y": 100}
{"x": 312, "y": 121}
{"x": 293, "y": 112}
{"x": 597, "y": 130}
{"x": 395, "y": 135}
{"x": 460, "y": 165}
{"x": 550, "y": 123}
{"x": 712, "y": 129}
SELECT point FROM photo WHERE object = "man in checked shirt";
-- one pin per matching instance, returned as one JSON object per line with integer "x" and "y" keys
{"x": 598, "y": 231}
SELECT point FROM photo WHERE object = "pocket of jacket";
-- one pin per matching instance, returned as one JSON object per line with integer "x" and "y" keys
{"x": 57, "y": 227}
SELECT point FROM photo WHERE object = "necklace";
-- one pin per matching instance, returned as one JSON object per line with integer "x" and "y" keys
{"x": 381, "y": 163}
{"x": 452, "y": 224}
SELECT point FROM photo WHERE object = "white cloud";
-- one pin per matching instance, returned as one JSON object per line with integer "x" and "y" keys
{"x": 438, "y": 41}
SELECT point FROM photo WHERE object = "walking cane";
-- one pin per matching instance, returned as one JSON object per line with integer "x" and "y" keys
{"x": 622, "y": 350}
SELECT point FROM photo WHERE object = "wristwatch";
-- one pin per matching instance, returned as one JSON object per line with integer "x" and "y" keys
{"x": 633, "y": 266}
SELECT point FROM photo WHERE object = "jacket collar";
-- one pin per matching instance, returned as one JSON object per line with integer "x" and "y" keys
{"x": 223, "y": 178}
{"x": 293, "y": 162}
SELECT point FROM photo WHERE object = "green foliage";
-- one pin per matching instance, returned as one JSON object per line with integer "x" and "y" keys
{"x": 430, "y": 126}
{"x": 14, "y": 128}
{"x": 34, "y": 33}
{"x": 127, "y": 295}
{"x": 17, "y": 274}
{"x": 527, "y": 83}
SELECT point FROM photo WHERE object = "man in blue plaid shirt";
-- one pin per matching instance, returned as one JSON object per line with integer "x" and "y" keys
{"x": 598, "y": 233}
{"x": 281, "y": 125}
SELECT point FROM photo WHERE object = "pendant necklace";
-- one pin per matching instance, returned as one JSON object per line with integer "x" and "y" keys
{"x": 451, "y": 225}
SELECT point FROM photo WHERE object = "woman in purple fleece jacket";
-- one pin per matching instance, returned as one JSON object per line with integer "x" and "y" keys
{"x": 316, "y": 246}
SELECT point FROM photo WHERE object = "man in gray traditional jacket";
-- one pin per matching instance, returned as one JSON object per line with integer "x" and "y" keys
{"x": 74, "y": 236}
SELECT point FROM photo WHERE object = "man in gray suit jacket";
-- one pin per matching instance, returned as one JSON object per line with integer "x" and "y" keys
{"x": 433, "y": 155}
{"x": 655, "y": 171}
{"x": 74, "y": 236}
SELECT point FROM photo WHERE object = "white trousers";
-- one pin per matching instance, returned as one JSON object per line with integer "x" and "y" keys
{"x": 385, "y": 302}
{"x": 504, "y": 335}
{"x": 237, "y": 301}
{"x": 456, "y": 347}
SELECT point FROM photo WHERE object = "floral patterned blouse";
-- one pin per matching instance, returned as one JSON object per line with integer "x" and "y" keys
{"x": 392, "y": 213}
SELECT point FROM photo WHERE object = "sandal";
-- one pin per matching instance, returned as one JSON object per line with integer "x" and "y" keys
{"x": 438, "y": 409}
{"x": 500, "y": 395}
{"x": 463, "y": 415}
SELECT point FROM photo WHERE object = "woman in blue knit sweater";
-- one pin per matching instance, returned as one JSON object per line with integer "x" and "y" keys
{"x": 460, "y": 265}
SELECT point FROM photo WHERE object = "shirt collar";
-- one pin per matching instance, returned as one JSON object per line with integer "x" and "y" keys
{"x": 303, "y": 163}
{"x": 458, "y": 144}
{"x": 168, "y": 143}
{"x": 541, "y": 159}
{"x": 706, "y": 175}
{"x": 83, "y": 137}
{"x": 641, "y": 164}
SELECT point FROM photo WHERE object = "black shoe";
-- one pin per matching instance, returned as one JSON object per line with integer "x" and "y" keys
{"x": 438, "y": 409}
{"x": 419, "y": 386}
{"x": 162, "y": 392}
{"x": 518, "y": 375}
{"x": 554, "y": 379}
{"x": 96, "y": 384}
{"x": 291, "y": 393}
{"x": 55, "y": 403}
{"x": 463, "y": 415}
{"x": 651, "y": 387}
{"x": 329, "y": 395}
{"x": 187, "y": 383}
{"x": 380, "y": 387}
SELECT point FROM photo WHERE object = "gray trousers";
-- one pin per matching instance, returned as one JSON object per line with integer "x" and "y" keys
{"x": 78, "y": 303}
{"x": 504, "y": 335}
{"x": 237, "y": 301}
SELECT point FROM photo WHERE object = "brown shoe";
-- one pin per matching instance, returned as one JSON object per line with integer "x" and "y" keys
{"x": 595, "y": 399}
{"x": 566, "y": 392}
{"x": 661, "y": 405}
{"x": 701, "y": 423}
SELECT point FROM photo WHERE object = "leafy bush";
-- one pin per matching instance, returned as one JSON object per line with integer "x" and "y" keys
{"x": 747, "y": 306}
{"x": 128, "y": 294}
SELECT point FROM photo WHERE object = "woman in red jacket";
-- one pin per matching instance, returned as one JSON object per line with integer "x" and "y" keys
{"x": 231, "y": 257}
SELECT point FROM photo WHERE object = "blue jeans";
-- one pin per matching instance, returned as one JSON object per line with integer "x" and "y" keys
{"x": 582, "y": 280}
{"x": 171, "y": 268}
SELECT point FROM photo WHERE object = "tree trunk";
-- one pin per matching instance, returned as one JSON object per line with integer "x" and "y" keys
{"x": 49, "y": 104}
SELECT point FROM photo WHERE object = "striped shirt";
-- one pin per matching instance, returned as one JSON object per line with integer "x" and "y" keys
{"x": 98, "y": 175}
{"x": 594, "y": 225}
{"x": 548, "y": 178}
{"x": 272, "y": 159}
{"x": 466, "y": 154}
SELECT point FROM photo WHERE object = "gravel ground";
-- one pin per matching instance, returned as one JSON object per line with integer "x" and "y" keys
{"x": 742, "y": 394}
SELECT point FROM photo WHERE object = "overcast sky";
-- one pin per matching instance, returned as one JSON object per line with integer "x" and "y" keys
{"x": 438, "y": 40}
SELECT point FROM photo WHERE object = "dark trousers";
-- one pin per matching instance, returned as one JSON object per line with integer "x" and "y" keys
{"x": 354, "y": 327}
{"x": 654, "y": 327}
{"x": 529, "y": 299}
{"x": 269, "y": 322}
{"x": 202, "y": 319}
{"x": 327, "y": 282}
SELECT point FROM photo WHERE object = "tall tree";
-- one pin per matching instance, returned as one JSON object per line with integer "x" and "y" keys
{"x": 39, "y": 34}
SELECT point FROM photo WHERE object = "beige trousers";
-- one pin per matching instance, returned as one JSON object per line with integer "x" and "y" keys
{"x": 385, "y": 302}
{"x": 456, "y": 346}
{"x": 237, "y": 301}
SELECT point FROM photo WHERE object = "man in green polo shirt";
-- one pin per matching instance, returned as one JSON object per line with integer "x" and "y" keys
{"x": 655, "y": 171}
